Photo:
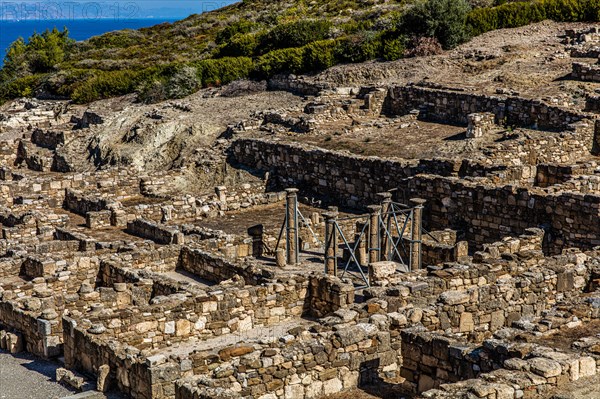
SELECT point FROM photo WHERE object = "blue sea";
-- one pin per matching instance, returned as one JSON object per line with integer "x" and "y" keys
{"x": 79, "y": 29}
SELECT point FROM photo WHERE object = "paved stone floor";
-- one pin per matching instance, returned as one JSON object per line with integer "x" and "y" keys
{"x": 26, "y": 377}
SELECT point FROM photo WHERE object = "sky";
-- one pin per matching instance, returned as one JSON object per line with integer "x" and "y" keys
{"x": 101, "y": 9}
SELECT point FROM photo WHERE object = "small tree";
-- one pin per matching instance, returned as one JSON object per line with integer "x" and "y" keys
{"x": 14, "y": 60}
{"x": 442, "y": 19}
{"x": 47, "y": 50}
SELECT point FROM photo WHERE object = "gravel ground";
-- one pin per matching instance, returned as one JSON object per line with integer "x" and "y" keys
{"x": 26, "y": 377}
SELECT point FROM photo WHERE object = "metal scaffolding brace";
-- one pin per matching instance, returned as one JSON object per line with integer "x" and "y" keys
{"x": 391, "y": 232}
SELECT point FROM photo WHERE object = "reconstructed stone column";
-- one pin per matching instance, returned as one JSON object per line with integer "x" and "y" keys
{"x": 386, "y": 208}
{"x": 596, "y": 143}
{"x": 416, "y": 233}
{"x": 361, "y": 249}
{"x": 256, "y": 232}
{"x": 374, "y": 250}
{"x": 330, "y": 243}
{"x": 292, "y": 254}
{"x": 280, "y": 258}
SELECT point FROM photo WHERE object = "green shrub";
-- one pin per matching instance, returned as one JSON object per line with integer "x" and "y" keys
{"x": 393, "y": 48}
{"x": 105, "y": 84}
{"x": 509, "y": 15}
{"x": 241, "y": 45}
{"x": 319, "y": 55}
{"x": 278, "y": 61}
{"x": 512, "y": 15}
{"x": 359, "y": 48}
{"x": 120, "y": 39}
{"x": 21, "y": 87}
{"x": 214, "y": 72}
{"x": 295, "y": 34}
{"x": 153, "y": 91}
{"x": 442, "y": 19}
{"x": 236, "y": 28}
{"x": 183, "y": 83}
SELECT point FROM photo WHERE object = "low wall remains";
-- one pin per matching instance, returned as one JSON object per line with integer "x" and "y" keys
{"x": 453, "y": 107}
{"x": 484, "y": 212}
{"x": 586, "y": 72}
{"x": 158, "y": 233}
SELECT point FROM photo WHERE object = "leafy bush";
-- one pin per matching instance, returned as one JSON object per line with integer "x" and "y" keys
{"x": 319, "y": 55}
{"x": 152, "y": 92}
{"x": 120, "y": 39}
{"x": 21, "y": 87}
{"x": 442, "y": 19}
{"x": 278, "y": 61}
{"x": 393, "y": 49}
{"x": 183, "y": 83}
{"x": 105, "y": 84}
{"x": 295, "y": 34}
{"x": 512, "y": 15}
{"x": 214, "y": 72}
{"x": 240, "y": 46}
{"x": 237, "y": 28}
{"x": 358, "y": 48}
{"x": 509, "y": 15}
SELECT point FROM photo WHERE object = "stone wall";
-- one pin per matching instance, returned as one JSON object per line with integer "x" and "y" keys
{"x": 128, "y": 373}
{"x": 480, "y": 298}
{"x": 304, "y": 365}
{"x": 295, "y": 85}
{"x": 437, "y": 361}
{"x": 81, "y": 204}
{"x": 328, "y": 294}
{"x": 435, "y": 253}
{"x": 40, "y": 337}
{"x": 453, "y": 107}
{"x": 331, "y": 173}
{"x": 487, "y": 213}
{"x": 586, "y": 72}
{"x": 217, "y": 269}
{"x": 483, "y": 212}
{"x": 85, "y": 243}
{"x": 10, "y": 267}
{"x": 160, "y": 234}
{"x": 551, "y": 174}
{"x": 592, "y": 103}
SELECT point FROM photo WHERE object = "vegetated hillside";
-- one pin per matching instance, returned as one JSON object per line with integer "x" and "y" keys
{"x": 258, "y": 39}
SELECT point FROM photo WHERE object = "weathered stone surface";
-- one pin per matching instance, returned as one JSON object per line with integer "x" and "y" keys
{"x": 545, "y": 367}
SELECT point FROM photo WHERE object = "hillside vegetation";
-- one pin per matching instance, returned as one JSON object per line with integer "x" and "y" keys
{"x": 258, "y": 39}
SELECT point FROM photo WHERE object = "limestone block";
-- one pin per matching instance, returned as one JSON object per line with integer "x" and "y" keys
{"x": 14, "y": 342}
{"x": 293, "y": 391}
{"x": 466, "y": 322}
{"x": 69, "y": 378}
{"x": 380, "y": 272}
{"x": 455, "y": 297}
{"x": 102, "y": 383}
{"x": 182, "y": 327}
{"x": 587, "y": 366}
{"x": 332, "y": 386}
{"x": 545, "y": 367}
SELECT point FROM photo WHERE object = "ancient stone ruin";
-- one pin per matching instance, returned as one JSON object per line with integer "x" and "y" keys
{"x": 291, "y": 270}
